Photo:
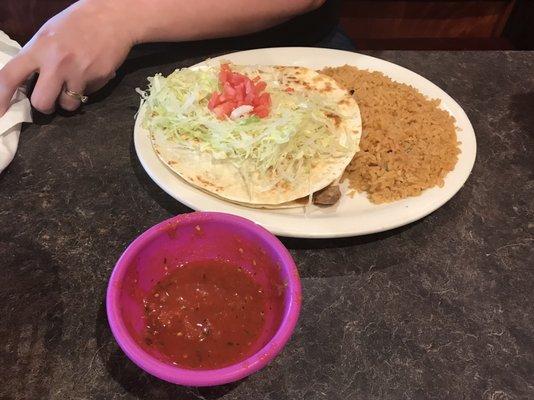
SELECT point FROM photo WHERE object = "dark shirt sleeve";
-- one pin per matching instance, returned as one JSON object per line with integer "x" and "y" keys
{"x": 304, "y": 30}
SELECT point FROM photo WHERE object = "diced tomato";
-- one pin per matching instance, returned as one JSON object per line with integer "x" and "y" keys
{"x": 237, "y": 90}
{"x": 249, "y": 87}
{"x": 224, "y": 109}
{"x": 265, "y": 99}
{"x": 261, "y": 111}
{"x": 260, "y": 87}
{"x": 236, "y": 79}
{"x": 240, "y": 93}
{"x": 224, "y": 74}
{"x": 249, "y": 99}
{"x": 229, "y": 91}
{"x": 290, "y": 89}
{"x": 214, "y": 100}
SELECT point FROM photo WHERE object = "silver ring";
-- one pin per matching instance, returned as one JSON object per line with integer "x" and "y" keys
{"x": 84, "y": 99}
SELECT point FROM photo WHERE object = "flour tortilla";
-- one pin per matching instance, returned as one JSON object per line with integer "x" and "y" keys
{"x": 224, "y": 179}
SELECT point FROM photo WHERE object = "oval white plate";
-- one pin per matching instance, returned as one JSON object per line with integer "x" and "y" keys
{"x": 352, "y": 216}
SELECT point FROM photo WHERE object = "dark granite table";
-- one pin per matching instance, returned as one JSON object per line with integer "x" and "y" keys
{"x": 440, "y": 309}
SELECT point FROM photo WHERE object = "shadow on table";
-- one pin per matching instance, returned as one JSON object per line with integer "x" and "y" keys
{"x": 3, "y": 173}
{"x": 520, "y": 109}
{"x": 306, "y": 244}
{"x": 360, "y": 255}
{"x": 139, "y": 383}
{"x": 32, "y": 318}
{"x": 45, "y": 119}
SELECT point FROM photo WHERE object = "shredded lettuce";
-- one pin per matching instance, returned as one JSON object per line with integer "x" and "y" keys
{"x": 280, "y": 147}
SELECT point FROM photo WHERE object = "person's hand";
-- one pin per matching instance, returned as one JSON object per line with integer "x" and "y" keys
{"x": 78, "y": 49}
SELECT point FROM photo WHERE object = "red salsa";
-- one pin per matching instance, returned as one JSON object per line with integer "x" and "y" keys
{"x": 205, "y": 315}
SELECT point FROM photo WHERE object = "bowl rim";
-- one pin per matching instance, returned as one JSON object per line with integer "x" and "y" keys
{"x": 231, "y": 373}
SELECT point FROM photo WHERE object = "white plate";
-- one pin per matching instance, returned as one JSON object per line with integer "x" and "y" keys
{"x": 352, "y": 216}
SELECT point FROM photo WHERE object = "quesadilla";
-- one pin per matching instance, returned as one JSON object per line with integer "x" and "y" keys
{"x": 261, "y": 136}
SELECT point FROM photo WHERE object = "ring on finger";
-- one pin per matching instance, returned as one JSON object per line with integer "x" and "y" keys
{"x": 83, "y": 98}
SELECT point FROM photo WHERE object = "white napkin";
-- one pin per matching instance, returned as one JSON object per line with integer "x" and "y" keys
{"x": 19, "y": 112}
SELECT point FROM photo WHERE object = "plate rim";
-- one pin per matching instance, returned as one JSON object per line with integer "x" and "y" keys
{"x": 280, "y": 229}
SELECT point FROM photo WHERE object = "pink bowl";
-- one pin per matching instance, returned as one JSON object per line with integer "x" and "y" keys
{"x": 196, "y": 237}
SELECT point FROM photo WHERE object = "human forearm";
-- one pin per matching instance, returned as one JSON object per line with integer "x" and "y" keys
{"x": 184, "y": 20}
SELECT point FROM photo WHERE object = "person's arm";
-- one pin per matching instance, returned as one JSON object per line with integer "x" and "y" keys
{"x": 81, "y": 48}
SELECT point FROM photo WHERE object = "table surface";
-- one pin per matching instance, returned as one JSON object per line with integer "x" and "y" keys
{"x": 440, "y": 309}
